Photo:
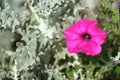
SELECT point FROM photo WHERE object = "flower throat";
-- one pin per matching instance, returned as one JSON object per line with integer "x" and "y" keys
{"x": 86, "y": 36}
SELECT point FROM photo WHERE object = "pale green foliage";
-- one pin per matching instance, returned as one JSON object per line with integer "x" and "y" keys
{"x": 40, "y": 25}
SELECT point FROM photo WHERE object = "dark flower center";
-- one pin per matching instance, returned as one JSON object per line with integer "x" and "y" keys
{"x": 86, "y": 36}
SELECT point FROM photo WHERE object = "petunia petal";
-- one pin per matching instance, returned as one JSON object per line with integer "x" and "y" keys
{"x": 83, "y": 44}
{"x": 69, "y": 35}
{"x": 92, "y": 49}
{"x": 74, "y": 46}
{"x": 98, "y": 32}
{"x": 78, "y": 27}
{"x": 82, "y": 26}
{"x": 75, "y": 37}
{"x": 98, "y": 36}
{"x": 89, "y": 25}
{"x": 98, "y": 40}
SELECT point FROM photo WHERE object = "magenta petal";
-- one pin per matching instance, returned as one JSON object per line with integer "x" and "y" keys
{"x": 98, "y": 40}
{"x": 69, "y": 35}
{"x": 72, "y": 46}
{"x": 82, "y": 26}
{"x": 85, "y": 36}
{"x": 98, "y": 32}
{"x": 92, "y": 49}
{"x": 89, "y": 25}
{"x": 83, "y": 44}
{"x": 98, "y": 36}
{"x": 78, "y": 27}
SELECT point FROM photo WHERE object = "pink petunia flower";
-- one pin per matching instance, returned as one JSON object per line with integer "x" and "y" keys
{"x": 85, "y": 36}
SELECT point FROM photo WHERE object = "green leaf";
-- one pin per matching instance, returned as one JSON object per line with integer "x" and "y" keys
{"x": 117, "y": 69}
{"x": 115, "y": 16}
